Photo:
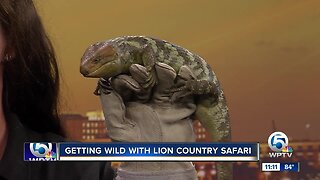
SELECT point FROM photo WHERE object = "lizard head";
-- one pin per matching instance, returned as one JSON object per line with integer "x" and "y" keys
{"x": 101, "y": 60}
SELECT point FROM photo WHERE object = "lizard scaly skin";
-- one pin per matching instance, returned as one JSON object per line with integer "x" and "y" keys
{"x": 113, "y": 57}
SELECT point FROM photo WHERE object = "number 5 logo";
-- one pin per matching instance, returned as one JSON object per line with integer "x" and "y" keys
{"x": 40, "y": 149}
{"x": 277, "y": 141}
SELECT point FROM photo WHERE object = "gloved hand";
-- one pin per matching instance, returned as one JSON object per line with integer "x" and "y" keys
{"x": 135, "y": 114}
{"x": 130, "y": 118}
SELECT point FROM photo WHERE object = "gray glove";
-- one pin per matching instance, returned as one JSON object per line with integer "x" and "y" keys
{"x": 131, "y": 118}
{"x": 136, "y": 114}
{"x": 158, "y": 120}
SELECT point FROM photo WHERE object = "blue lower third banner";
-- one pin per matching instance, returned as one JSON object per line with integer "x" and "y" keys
{"x": 145, "y": 151}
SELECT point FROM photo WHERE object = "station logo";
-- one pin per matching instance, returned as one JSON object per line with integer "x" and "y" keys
{"x": 279, "y": 144}
{"x": 40, "y": 152}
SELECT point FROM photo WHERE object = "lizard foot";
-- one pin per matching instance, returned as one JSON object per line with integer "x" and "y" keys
{"x": 103, "y": 86}
{"x": 187, "y": 84}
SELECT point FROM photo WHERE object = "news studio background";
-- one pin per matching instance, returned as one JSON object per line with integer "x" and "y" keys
{"x": 265, "y": 53}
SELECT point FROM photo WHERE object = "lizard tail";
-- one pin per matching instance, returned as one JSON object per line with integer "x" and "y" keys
{"x": 214, "y": 116}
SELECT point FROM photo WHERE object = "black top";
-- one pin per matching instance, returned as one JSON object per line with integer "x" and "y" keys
{"x": 13, "y": 167}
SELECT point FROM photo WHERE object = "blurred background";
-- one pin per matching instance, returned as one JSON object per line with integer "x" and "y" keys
{"x": 266, "y": 55}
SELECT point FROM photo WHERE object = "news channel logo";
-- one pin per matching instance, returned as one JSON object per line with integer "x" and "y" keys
{"x": 279, "y": 143}
{"x": 40, "y": 152}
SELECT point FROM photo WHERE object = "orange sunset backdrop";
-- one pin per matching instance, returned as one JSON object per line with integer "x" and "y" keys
{"x": 266, "y": 54}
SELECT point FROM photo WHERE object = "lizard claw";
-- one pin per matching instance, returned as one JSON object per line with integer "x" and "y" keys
{"x": 176, "y": 89}
{"x": 181, "y": 91}
{"x": 103, "y": 86}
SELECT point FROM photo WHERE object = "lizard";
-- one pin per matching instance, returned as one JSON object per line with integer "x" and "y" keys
{"x": 113, "y": 57}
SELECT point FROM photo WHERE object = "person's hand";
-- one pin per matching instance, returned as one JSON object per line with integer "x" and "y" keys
{"x": 146, "y": 114}
{"x": 130, "y": 117}
{"x": 151, "y": 114}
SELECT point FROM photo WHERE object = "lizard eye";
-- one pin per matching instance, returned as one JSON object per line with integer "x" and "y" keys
{"x": 97, "y": 59}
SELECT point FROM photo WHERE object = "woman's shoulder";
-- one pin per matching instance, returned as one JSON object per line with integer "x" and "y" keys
{"x": 19, "y": 132}
{"x": 43, "y": 137}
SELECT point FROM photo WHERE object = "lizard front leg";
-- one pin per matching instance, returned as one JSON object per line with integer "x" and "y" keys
{"x": 198, "y": 87}
{"x": 187, "y": 84}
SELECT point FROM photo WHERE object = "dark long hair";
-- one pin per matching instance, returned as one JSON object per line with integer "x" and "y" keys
{"x": 31, "y": 77}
